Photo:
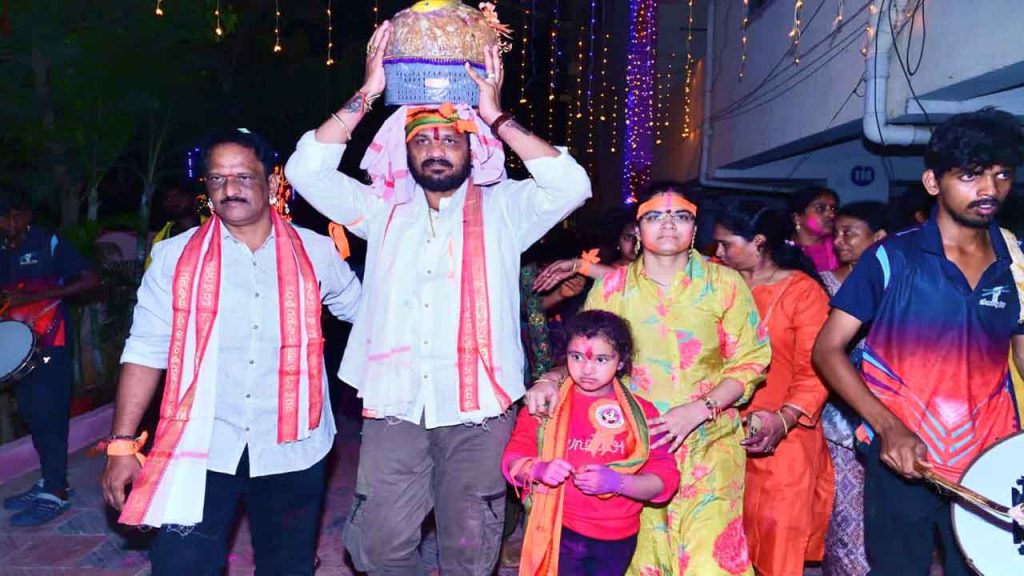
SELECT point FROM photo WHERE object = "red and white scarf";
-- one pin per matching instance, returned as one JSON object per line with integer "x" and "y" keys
{"x": 390, "y": 342}
{"x": 170, "y": 488}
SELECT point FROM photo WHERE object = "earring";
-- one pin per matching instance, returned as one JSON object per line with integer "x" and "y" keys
{"x": 273, "y": 200}
{"x": 636, "y": 248}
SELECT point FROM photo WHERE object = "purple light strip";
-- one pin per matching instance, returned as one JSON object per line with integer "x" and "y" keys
{"x": 640, "y": 78}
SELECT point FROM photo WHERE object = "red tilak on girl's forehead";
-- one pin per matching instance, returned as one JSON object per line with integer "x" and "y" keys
{"x": 589, "y": 352}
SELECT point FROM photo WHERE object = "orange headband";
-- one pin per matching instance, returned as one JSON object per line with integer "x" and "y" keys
{"x": 420, "y": 119}
{"x": 665, "y": 203}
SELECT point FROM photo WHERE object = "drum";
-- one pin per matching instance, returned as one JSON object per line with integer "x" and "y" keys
{"x": 19, "y": 354}
{"x": 993, "y": 544}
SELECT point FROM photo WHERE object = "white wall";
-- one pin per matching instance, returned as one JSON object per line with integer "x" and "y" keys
{"x": 779, "y": 103}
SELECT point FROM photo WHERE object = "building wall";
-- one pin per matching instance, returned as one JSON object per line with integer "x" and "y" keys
{"x": 778, "y": 102}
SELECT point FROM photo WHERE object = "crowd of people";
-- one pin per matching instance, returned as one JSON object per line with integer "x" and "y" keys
{"x": 771, "y": 403}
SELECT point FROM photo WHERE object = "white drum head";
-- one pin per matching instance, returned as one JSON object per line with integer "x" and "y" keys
{"x": 16, "y": 343}
{"x": 989, "y": 542}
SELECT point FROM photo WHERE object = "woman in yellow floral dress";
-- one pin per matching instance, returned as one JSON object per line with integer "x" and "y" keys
{"x": 697, "y": 357}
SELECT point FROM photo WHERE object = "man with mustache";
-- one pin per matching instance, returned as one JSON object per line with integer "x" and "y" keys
{"x": 231, "y": 310}
{"x": 435, "y": 352}
{"x": 944, "y": 306}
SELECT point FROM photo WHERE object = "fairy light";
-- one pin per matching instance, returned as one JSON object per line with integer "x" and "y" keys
{"x": 553, "y": 70}
{"x": 688, "y": 77}
{"x": 613, "y": 139}
{"x": 574, "y": 110}
{"x": 218, "y": 30}
{"x": 840, "y": 12}
{"x": 591, "y": 128}
{"x": 743, "y": 37}
{"x": 376, "y": 13}
{"x": 159, "y": 7}
{"x": 661, "y": 107}
{"x": 869, "y": 31}
{"x": 794, "y": 32}
{"x": 640, "y": 87}
{"x": 277, "y": 26}
{"x": 330, "y": 35}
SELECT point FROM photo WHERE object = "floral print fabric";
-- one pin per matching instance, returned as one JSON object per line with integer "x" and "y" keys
{"x": 690, "y": 336}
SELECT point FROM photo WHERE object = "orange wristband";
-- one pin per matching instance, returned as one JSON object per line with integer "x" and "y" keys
{"x": 588, "y": 258}
{"x": 125, "y": 447}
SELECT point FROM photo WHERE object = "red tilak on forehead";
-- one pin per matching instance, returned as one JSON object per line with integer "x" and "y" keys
{"x": 437, "y": 133}
{"x": 589, "y": 352}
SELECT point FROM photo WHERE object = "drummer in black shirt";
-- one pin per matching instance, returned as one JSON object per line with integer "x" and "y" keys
{"x": 38, "y": 269}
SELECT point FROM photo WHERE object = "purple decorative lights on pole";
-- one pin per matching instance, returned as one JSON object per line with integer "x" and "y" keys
{"x": 641, "y": 76}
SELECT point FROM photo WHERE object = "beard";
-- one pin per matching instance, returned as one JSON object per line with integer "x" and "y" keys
{"x": 976, "y": 222}
{"x": 432, "y": 183}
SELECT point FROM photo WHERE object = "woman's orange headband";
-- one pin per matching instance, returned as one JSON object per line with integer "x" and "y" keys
{"x": 666, "y": 203}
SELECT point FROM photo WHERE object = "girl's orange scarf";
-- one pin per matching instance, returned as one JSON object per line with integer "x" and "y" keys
{"x": 544, "y": 526}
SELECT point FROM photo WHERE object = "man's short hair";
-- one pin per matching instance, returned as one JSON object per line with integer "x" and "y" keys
{"x": 975, "y": 140}
{"x": 244, "y": 138}
{"x": 16, "y": 203}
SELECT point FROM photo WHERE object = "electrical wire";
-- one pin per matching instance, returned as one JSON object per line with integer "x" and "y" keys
{"x": 910, "y": 36}
{"x": 799, "y": 76}
{"x": 770, "y": 76}
{"x": 903, "y": 67}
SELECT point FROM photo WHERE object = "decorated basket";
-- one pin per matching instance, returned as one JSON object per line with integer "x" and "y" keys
{"x": 430, "y": 42}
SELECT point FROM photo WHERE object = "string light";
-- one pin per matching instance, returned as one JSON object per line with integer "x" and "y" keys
{"x": 218, "y": 30}
{"x": 330, "y": 35}
{"x": 277, "y": 26}
{"x": 614, "y": 133}
{"x": 869, "y": 31}
{"x": 663, "y": 89}
{"x": 743, "y": 37}
{"x": 839, "y": 15}
{"x": 591, "y": 128}
{"x": 794, "y": 32}
{"x": 640, "y": 79}
{"x": 376, "y": 13}
{"x": 687, "y": 80}
{"x": 159, "y": 7}
{"x": 553, "y": 70}
{"x": 571, "y": 115}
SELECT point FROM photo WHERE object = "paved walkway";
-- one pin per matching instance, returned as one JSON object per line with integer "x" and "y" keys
{"x": 86, "y": 541}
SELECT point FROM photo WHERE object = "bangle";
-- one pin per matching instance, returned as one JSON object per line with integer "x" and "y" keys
{"x": 500, "y": 121}
{"x": 573, "y": 271}
{"x": 713, "y": 407}
{"x": 548, "y": 380}
{"x": 113, "y": 437}
{"x": 785, "y": 426}
{"x": 348, "y": 131}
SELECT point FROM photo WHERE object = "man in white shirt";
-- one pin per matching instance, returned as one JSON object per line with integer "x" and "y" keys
{"x": 232, "y": 311}
{"x": 435, "y": 353}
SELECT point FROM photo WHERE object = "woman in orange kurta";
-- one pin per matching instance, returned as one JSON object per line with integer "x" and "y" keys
{"x": 789, "y": 480}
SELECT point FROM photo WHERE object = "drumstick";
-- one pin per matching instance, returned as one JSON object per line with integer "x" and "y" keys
{"x": 963, "y": 492}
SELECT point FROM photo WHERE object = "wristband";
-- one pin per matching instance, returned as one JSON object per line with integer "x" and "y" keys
{"x": 121, "y": 445}
{"x": 500, "y": 121}
{"x": 588, "y": 258}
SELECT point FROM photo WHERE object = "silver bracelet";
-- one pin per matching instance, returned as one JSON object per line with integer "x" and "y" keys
{"x": 348, "y": 131}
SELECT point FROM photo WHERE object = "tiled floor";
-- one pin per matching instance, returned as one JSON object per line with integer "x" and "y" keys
{"x": 86, "y": 540}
